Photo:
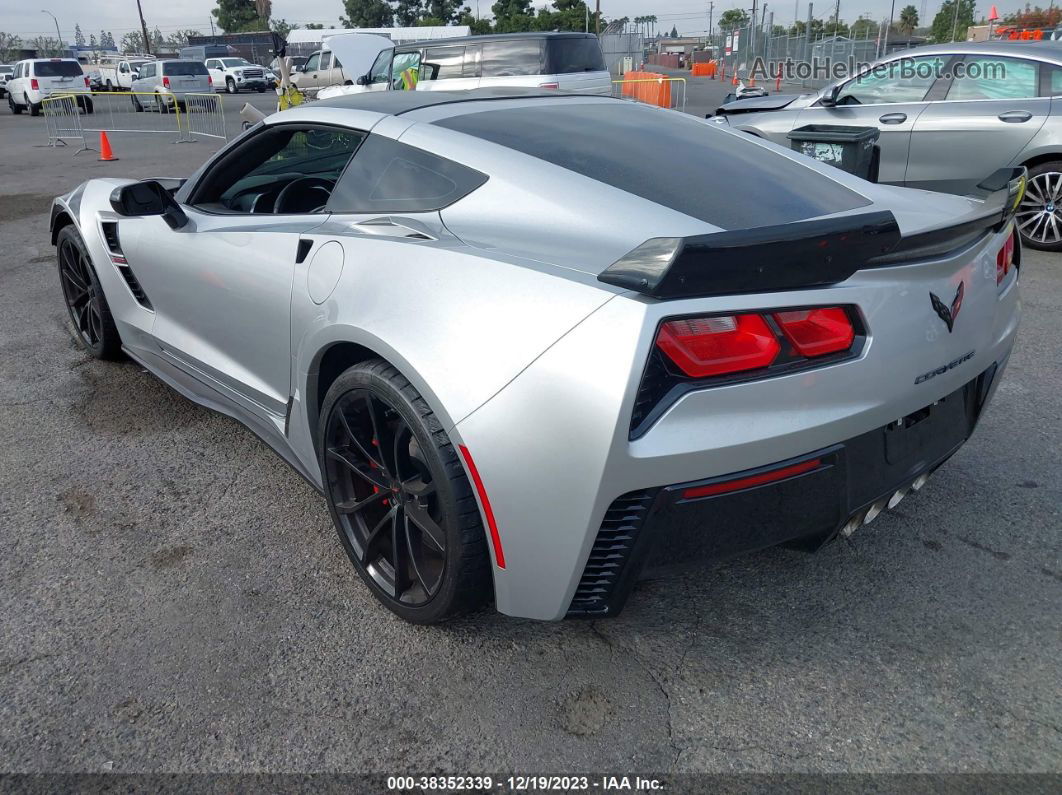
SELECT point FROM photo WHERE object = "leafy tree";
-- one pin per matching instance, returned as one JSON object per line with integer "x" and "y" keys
{"x": 864, "y": 28}
{"x": 674, "y": 32}
{"x": 367, "y": 14}
{"x": 512, "y": 16}
{"x": 10, "y": 44}
{"x": 1035, "y": 17}
{"x": 314, "y": 26}
{"x": 180, "y": 38}
{"x": 133, "y": 41}
{"x": 47, "y": 47}
{"x": 407, "y": 12}
{"x": 908, "y": 20}
{"x": 282, "y": 27}
{"x": 157, "y": 41}
{"x": 732, "y": 19}
{"x": 79, "y": 37}
{"x": 834, "y": 28}
{"x": 565, "y": 15}
{"x": 234, "y": 16}
{"x": 441, "y": 12}
{"x": 946, "y": 27}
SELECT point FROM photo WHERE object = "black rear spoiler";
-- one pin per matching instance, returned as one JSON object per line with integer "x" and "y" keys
{"x": 803, "y": 254}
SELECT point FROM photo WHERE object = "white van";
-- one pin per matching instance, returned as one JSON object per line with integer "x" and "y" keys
{"x": 168, "y": 82}
{"x": 563, "y": 61}
{"x": 38, "y": 78}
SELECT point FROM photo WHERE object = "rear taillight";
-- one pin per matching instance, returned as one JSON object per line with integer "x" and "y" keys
{"x": 166, "y": 82}
{"x": 1005, "y": 258}
{"x": 34, "y": 85}
{"x": 549, "y": 85}
{"x": 702, "y": 347}
{"x": 86, "y": 82}
{"x": 708, "y": 346}
{"x": 816, "y": 332}
{"x": 210, "y": 80}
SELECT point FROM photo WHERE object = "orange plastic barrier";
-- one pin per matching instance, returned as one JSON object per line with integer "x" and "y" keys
{"x": 655, "y": 91}
{"x": 703, "y": 69}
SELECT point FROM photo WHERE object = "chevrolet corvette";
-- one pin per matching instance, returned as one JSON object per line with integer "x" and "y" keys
{"x": 518, "y": 340}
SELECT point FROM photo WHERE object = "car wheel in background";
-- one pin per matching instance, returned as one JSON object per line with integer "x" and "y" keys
{"x": 261, "y": 89}
{"x": 230, "y": 85}
{"x": 15, "y": 107}
{"x": 161, "y": 105}
{"x": 136, "y": 104}
{"x": 85, "y": 301}
{"x": 399, "y": 498}
{"x": 109, "y": 86}
{"x": 1039, "y": 215}
{"x": 34, "y": 108}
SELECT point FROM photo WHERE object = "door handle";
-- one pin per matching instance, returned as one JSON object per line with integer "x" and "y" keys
{"x": 1015, "y": 116}
{"x": 893, "y": 118}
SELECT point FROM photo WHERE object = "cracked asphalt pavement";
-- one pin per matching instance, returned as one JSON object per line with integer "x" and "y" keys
{"x": 173, "y": 597}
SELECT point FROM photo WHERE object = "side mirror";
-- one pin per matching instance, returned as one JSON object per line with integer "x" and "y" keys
{"x": 148, "y": 198}
{"x": 363, "y": 80}
{"x": 829, "y": 97}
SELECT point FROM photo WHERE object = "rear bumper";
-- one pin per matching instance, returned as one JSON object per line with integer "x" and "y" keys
{"x": 805, "y": 501}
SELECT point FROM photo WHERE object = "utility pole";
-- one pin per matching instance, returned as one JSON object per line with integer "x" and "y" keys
{"x": 58, "y": 35}
{"x": 836, "y": 16}
{"x": 752, "y": 33}
{"x": 597, "y": 19}
{"x": 955, "y": 24}
{"x": 143, "y": 27}
{"x": 888, "y": 28}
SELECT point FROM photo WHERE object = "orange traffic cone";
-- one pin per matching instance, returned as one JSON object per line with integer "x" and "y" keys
{"x": 105, "y": 148}
{"x": 734, "y": 82}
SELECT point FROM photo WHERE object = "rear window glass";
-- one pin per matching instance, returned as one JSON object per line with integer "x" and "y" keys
{"x": 56, "y": 69}
{"x": 566, "y": 56}
{"x": 666, "y": 158}
{"x": 512, "y": 58}
{"x": 387, "y": 176}
{"x": 174, "y": 68}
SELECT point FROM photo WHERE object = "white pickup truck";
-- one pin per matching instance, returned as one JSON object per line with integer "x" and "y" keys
{"x": 118, "y": 75}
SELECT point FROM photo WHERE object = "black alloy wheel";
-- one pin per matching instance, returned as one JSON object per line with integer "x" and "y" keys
{"x": 1039, "y": 216}
{"x": 402, "y": 506}
{"x": 385, "y": 497}
{"x": 85, "y": 301}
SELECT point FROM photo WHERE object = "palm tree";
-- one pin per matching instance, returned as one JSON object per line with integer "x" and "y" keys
{"x": 908, "y": 20}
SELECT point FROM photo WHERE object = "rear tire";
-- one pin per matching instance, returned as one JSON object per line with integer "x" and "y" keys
{"x": 374, "y": 422}
{"x": 15, "y": 107}
{"x": 34, "y": 108}
{"x": 109, "y": 86}
{"x": 86, "y": 304}
{"x": 1039, "y": 215}
{"x": 137, "y": 107}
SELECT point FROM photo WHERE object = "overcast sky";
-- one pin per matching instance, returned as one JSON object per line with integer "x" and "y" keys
{"x": 119, "y": 16}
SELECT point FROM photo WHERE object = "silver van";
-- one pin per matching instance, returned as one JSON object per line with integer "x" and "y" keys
{"x": 163, "y": 84}
{"x": 563, "y": 61}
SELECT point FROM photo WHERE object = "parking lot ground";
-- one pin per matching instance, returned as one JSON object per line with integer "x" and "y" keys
{"x": 173, "y": 597}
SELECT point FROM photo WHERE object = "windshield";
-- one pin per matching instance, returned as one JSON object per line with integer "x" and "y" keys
{"x": 236, "y": 62}
{"x": 186, "y": 68}
{"x": 56, "y": 69}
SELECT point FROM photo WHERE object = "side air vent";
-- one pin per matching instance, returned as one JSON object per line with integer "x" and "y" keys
{"x": 599, "y": 589}
{"x": 114, "y": 247}
{"x": 110, "y": 235}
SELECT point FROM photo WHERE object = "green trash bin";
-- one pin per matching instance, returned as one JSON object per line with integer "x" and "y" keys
{"x": 851, "y": 149}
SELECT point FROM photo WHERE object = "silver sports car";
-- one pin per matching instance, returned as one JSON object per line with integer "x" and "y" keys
{"x": 518, "y": 341}
{"x": 948, "y": 115}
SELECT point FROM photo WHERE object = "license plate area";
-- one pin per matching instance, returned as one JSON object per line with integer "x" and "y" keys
{"x": 928, "y": 433}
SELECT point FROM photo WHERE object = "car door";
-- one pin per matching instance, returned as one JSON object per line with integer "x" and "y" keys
{"x": 448, "y": 68}
{"x": 993, "y": 108}
{"x": 216, "y": 69}
{"x": 889, "y": 96}
{"x": 405, "y": 70}
{"x": 308, "y": 80}
{"x": 512, "y": 62}
{"x": 220, "y": 286}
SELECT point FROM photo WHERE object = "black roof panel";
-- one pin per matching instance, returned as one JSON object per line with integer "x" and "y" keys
{"x": 395, "y": 103}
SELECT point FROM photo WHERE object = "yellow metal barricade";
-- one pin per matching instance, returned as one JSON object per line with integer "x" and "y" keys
{"x": 204, "y": 114}
{"x": 79, "y": 116}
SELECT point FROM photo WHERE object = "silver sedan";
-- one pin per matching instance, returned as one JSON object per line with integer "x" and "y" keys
{"x": 517, "y": 341}
{"x": 949, "y": 115}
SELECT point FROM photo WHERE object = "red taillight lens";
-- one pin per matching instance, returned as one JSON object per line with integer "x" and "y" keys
{"x": 210, "y": 80}
{"x": 34, "y": 85}
{"x": 816, "y": 332}
{"x": 706, "y": 346}
{"x": 166, "y": 82}
{"x": 86, "y": 82}
{"x": 549, "y": 85}
{"x": 1005, "y": 258}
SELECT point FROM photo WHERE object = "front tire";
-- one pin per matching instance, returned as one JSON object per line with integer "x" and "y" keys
{"x": 399, "y": 498}
{"x": 15, "y": 107}
{"x": 1039, "y": 216}
{"x": 86, "y": 303}
{"x": 230, "y": 85}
